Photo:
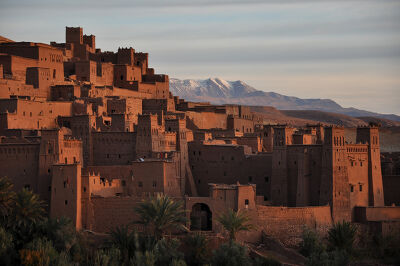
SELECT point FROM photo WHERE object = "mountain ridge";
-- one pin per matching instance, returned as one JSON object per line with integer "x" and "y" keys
{"x": 219, "y": 91}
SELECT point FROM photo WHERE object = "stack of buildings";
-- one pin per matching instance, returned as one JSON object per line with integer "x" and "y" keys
{"x": 93, "y": 133}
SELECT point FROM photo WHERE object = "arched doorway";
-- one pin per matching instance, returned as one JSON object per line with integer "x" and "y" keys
{"x": 200, "y": 218}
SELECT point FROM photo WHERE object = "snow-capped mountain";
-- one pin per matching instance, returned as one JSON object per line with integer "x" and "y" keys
{"x": 212, "y": 87}
{"x": 219, "y": 91}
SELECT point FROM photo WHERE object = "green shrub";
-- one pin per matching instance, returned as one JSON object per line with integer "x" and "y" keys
{"x": 342, "y": 236}
{"x": 166, "y": 251}
{"x": 196, "y": 249}
{"x": 311, "y": 243}
{"x": 231, "y": 254}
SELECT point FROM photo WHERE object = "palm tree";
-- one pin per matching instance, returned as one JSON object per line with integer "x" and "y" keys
{"x": 234, "y": 222}
{"x": 124, "y": 240}
{"x": 342, "y": 236}
{"x": 196, "y": 249}
{"x": 60, "y": 231}
{"x": 27, "y": 213}
{"x": 161, "y": 213}
{"x": 7, "y": 196}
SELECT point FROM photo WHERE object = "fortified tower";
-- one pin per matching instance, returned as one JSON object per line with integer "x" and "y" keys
{"x": 66, "y": 196}
{"x": 279, "y": 179}
{"x": 74, "y": 35}
{"x": 147, "y": 140}
{"x": 370, "y": 135}
{"x": 335, "y": 189}
{"x": 126, "y": 56}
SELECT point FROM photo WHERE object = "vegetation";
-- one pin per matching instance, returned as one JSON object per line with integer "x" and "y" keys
{"x": 234, "y": 222}
{"x": 29, "y": 237}
{"x": 342, "y": 236}
{"x": 197, "y": 252}
{"x": 161, "y": 214}
{"x": 231, "y": 254}
{"x": 340, "y": 246}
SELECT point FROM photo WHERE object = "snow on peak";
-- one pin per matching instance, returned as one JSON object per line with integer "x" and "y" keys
{"x": 212, "y": 87}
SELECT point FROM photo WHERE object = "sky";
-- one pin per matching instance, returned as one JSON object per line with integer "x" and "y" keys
{"x": 344, "y": 50}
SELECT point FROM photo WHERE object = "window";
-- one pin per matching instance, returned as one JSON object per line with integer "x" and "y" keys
{"x": 360, "y": 163}
{"x": 84, "y": 189}
{"x": 140, "y": 184}
{"x": 66, "y": 202}
{"x": 250, "y": 178}
{"x": 123, "y": 183}
{"x": 352, "y": 164}
{"x": 266, "y": 179}
{"x": 65, "y": 184}
{"x": 154, "y": 183}
{"x": 351, "y": 188}
{"x": 246, "y": 202}
{"x": 224, "y": 173}
{"x": 360, "y": 187}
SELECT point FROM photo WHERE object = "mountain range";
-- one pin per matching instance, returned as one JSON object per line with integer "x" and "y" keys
{"x": 219, "y": 91}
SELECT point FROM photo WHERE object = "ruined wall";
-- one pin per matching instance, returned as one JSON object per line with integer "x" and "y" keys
{"x": 287, "y": 224}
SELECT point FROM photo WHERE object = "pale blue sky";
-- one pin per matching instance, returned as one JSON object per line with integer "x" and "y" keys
{"x": 345, "y": 50}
